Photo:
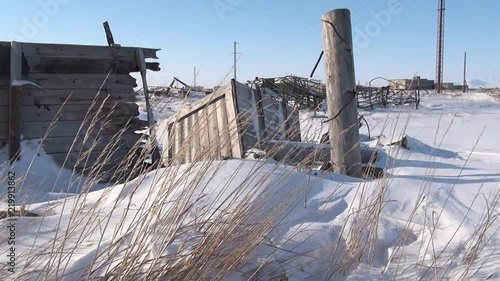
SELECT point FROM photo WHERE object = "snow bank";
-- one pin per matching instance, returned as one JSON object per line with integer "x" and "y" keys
{"x": 434, "y": 216}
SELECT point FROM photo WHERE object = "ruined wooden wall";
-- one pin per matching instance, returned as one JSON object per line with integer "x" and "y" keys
{"x": 4, "y": 91}
{"x": 82, "y": 83}
{"x": 227, "y": 124}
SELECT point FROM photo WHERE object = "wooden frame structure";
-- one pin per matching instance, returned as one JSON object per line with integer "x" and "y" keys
{"x": 228, "y": 123}
{"x": 86, "y": 97}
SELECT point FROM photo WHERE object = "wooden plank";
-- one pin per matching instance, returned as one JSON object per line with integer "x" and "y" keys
{"x": 232, "y": 115}
{"x": 214, "y": 131}
{"x": 70, "y": 112}
{"x": 5, "y": 80}
{"x": 204, "y": 137}
{"x": 178, "y": 142}
{"x": 35, "y": 130}
{"x": 15, "y": 102}
{"x": 4, "y": 98}
{"x": 82, "y": 81}
{"x": 186, "y": 139}
{"x": 142, "y": 66}
{"x": 141, "y": 62}
{"x": 3, "y": 142}
{"x": 223, "y": 129}
{"x": 35, "y": 97}
{"x": 248, "y": 116}
{"x": 196, "y": 131}
{"x": 220, "y": 94}
{"x": 257, "y": 94}
{"x": 84, "y": 51}
{"x": 4, "y": 59}
{"x": 83, "y": 66}
{"x": 53, "y": 145}
{"x": 167, "y": 145}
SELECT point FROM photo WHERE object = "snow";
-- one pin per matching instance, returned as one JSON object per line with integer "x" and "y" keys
{"x": 39, "y": 179}
{"x": 438, "y": 201}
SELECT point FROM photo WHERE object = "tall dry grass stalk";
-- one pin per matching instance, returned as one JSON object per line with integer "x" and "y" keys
{"x": 175, "y": 230}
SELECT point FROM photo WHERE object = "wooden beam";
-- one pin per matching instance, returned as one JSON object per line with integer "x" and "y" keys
{"x": 84, "y": 51}
{"x": 341, "y": 93}
{"x": 15, "y": 102}
{"x": 141, "y": 61}
{"x": 121, "y": 111}
{"x": 233, "y": 115}
{"x": 82, "y": 81}
{"x": 4, "y": 59}
{"x": 36, "y": 97}
{"x": 261, "y": 132}
{"x": 36, "y": 130}
{"x": 85, "y": 66}
{"x": 109, "y": 34}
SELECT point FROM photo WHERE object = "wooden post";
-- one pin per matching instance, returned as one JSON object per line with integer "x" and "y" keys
{"x": 141, "y": 62}
{"x": 341, "y": 93}
{"x": 109, "y": 34}
{"x": 15, "y": 102}
{"x": 261, "y": 132}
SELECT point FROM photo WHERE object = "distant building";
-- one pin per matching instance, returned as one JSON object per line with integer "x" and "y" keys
{"x": 452, "y": 86}
{"x": 409, "y": 84}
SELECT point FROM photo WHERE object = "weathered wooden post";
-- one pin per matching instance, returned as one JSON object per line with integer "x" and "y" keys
{"x": 15, "y": 102}
{"x": 341, "y": 93}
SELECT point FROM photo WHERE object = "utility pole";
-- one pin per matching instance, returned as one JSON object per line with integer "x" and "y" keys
{"x": 341, "y": 93}
{"x": 465, "y": 73}
{"x": 235, "y": 59}
{"x": 440, "y": 47}
{"x": 194, "y": 77}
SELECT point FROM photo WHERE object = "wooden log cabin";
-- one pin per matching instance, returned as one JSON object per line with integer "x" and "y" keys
{"x": 85, "y": 101}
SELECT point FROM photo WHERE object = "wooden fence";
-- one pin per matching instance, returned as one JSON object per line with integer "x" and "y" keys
{"x": 228, "y": 123}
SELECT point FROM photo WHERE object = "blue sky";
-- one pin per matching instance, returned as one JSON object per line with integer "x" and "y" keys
{"x": 393, "y": 38}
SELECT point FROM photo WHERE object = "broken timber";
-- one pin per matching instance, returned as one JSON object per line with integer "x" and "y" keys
{"x": 227, "y": 124}
{"x": 14, "y": 102}
{"x": 86, "y": 110}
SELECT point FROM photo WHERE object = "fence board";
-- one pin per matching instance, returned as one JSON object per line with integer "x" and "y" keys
{"x": 227, "y": 124}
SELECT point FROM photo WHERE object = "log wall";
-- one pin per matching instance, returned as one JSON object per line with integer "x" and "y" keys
{"x": 88, "y": 97}
{"x": 4, "y": 91}
{"x": 227, "y": 124}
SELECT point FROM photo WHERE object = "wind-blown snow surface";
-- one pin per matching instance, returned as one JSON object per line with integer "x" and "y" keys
{"x": 433, "y": 216}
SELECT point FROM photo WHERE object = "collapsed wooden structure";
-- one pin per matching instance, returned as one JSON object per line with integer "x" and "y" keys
{"x": 228, "y": 123}
{"x": 84, "y": 99}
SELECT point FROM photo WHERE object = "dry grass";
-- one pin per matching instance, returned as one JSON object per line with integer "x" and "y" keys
{"x": 175, "y": 234}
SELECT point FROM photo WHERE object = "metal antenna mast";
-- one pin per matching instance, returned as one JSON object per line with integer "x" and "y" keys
{"x": 235, "y": 53}
{"x": 440, "y": 47}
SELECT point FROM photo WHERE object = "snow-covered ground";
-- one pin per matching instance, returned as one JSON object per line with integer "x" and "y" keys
{"x": 434, "y": 216}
